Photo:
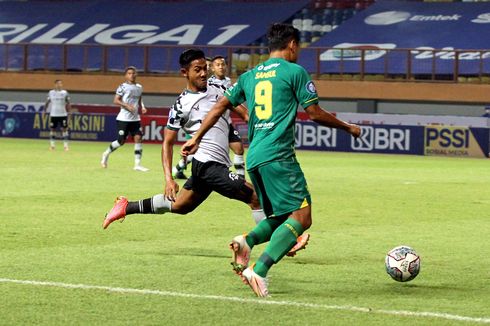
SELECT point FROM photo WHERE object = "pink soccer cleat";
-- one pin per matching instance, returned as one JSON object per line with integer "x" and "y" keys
{"x": 301, "y": 243}
{"x": 117, "y": 212}
{"x": 241, "y": 253}
{"x": 257, "y": 283}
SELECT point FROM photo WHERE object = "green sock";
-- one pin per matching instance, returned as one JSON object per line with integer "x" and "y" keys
{"x": 282, "y": 240}
{"x": 262, "y": 231}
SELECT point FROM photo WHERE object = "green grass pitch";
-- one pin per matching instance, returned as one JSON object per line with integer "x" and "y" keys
{"x": 52, "y": 205}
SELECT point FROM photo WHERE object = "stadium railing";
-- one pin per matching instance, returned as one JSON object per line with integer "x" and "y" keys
{"x": 428, "y": 65}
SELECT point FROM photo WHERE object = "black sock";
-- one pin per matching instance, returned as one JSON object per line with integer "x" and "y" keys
{"x": 139, "y": 207}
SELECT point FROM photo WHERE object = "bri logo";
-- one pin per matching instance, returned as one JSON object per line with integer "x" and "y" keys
{"x": 382, "y": 139}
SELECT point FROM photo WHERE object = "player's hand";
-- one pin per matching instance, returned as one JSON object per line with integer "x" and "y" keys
{"x": 171, "y": 190}
{"x": 130, "y": 108}
{"x": 354, "y": 130}
{"x": 190, "y": 147}
{"x": 143, "y": 110}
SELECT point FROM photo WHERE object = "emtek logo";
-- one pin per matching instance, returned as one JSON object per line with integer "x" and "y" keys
{"x": 395, "y": 17}
{"x": 382, "y": 139}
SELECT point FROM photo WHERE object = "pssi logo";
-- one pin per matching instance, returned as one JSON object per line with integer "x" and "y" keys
{"x": 447, "y": 137}
{"x": 382, "y": 139}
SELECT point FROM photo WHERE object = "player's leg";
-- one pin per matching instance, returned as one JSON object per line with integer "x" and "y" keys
{"x": 53, "y": 123}
{"x": 242, "y": 245}
{"x": 236, "y": 146}
{"x": 187, "y": 200}
{"x": 122, "y": 132}
{"x": 64, "y": 129}
{"x": 287, "y": 190}
{"x": 220, "y": 179}
{"x": 178, "y": 169}
{"x": 135, "y": 131}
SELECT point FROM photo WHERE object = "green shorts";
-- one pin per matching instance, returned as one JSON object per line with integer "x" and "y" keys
{"x": 281, "y": 187}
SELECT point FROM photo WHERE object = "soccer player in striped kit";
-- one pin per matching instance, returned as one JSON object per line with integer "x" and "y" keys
{"x": 129, "y": 98}
{"x": 58, "y": 105}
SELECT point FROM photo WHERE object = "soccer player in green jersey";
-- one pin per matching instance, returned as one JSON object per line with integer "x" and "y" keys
{"x": 273, "y": 91}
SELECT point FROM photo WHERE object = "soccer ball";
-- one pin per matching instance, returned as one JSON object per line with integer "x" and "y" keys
{"x": 402, "y": 264}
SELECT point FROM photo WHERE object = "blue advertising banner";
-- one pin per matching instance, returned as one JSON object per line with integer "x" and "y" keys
{"x": 374, "y": 139}
{"x": 95, "y": 127}
{"x": 143, "y": 23}
{"x": 400, "y": 25}
{"x": 387, "y": 139}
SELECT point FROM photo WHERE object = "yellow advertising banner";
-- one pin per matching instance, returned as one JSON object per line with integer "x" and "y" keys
{"x": 452, "y": 141}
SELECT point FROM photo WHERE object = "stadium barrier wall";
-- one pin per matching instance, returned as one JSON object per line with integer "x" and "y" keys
{"x": 455, "y": 141}
{"x": 339, "y": 89}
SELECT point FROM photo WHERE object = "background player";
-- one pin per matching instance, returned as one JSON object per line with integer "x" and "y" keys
{"x": 58, "y": 113}
{"x": 273, "y": 90}
{"x": 129, "y": 98}
{"x": 218, "y": 67}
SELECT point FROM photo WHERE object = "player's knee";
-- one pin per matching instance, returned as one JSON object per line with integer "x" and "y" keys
{"x": 249, "y": 196}
{"x": 254, "y": 201}
{"x": 303, "y": 216}
{"x": 306, "y": 221}
{"x": 237, "y": 148}
{"x": 121, "y": 139}
{"x": 306, "y": 224}
{"x": 180, "y": 209}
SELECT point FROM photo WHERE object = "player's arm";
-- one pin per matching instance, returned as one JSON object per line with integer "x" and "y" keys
{"x": 142, "y": 106}
{"x": 171, "y": 187}
{"x": 320, "y": 116}
{"x": 118, "y": 101}
{"x": 48, "y": 101}
{"x": 68, "y": 105}
{"x": 212, "y": 117}
{"x": 242, "y": 112}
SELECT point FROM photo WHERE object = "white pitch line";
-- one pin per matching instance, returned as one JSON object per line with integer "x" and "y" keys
{"x": 481, "y": 320}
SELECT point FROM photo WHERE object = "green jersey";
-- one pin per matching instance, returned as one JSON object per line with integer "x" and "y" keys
{"x": 272, "y": 91}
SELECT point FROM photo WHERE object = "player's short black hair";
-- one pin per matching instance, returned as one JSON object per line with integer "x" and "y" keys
{"x": 279, "y": 35}
{"x": 57, "y": 80}
{"x": 216, "y": 57}
{"x": 130, "y": 68}
{"x": 190, "y": 55}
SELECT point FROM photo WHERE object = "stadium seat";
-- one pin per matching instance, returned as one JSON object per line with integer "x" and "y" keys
{"x": 254, "y": 59}
{"x": 242, "y": 62}
{"x": 485, "y": 79}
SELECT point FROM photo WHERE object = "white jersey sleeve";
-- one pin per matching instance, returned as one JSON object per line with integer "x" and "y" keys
{"x": 120, "y": 90}
{"x": 179, "y": 112}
